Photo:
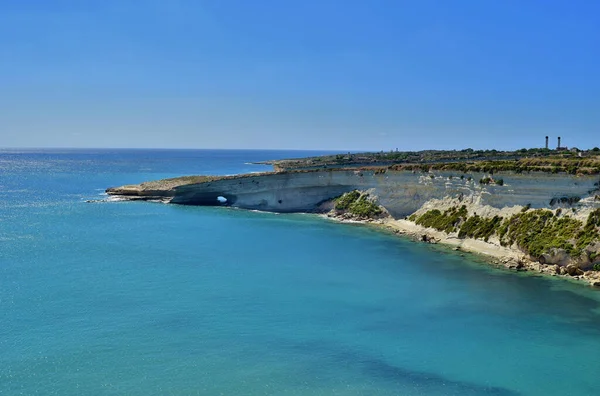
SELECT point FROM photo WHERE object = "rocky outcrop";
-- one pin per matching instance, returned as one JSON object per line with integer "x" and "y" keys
{"x": 555, "y": 256}
{"x": 356, "y": 206}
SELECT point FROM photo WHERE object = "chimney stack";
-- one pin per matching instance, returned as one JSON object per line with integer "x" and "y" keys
{"x": 546, "y": 142}
{"x": 558, "y": 142}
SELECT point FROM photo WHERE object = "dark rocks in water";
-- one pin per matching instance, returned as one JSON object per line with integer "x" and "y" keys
{"x": 428, "y": 239}
{"x": 562, "y": 271}
{"x": 516, "y": 265}
{"x": 573, "y": 270}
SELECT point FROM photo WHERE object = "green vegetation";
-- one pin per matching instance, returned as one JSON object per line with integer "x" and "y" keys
{"x": 534, "y": 231}
{"x": 357, "y": 204}
{"x": 489, "y": 180}
{"x": 479, "y": 227}
{"x": 365, "y": 208}
{"x": 345, "y": 201}
{"x": 464, "y": 161}
{"x": 538, "y": 231}
{"x": 447, "y": 221}
{"x": 590, "y": 233}
{"x": 594, "y": 219}
{"x": 555, "y": 164}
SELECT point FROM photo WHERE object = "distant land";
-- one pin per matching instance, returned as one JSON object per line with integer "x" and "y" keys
{"x": 534, "y": 159}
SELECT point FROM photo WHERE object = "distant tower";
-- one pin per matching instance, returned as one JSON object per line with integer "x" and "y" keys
{"x": 558, "y": 143}
{"x": 546, "y": 142}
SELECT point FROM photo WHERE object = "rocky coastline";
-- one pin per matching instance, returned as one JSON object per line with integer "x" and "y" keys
{"x": 510, "y": 258}
{"x": 539, "y": 222}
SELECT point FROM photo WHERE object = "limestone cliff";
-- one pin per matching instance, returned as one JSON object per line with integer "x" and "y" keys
{"x": 400, "y": 192}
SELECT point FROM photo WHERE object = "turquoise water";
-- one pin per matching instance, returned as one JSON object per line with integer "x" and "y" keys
{"x": 118, "y": 298}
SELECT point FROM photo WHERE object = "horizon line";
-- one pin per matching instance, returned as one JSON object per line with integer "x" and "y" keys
{"x": 276, "y": 149}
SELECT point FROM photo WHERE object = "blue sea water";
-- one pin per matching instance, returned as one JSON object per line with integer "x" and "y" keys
{"x": 134, "y": 298}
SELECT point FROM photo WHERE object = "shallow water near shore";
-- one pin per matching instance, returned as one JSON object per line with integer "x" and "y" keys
{"x": 136, "y": 298}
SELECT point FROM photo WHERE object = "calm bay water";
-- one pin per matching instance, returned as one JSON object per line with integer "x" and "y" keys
{"x": 122, "y": 298}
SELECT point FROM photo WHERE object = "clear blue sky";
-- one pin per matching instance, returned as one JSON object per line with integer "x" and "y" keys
{"x": 306, "y": 74}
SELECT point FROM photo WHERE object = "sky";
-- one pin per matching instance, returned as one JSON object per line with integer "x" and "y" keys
{"x": 299, "y": 74}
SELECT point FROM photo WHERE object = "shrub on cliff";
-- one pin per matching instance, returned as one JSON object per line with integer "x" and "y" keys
{"x": 589, "y": 234}
{"x": 534, "y": 231}
{"x": 594, "y": 218}
{"x": 429, "y": 218}
{"x": 447, "y": 221}
{"x": 347, "y": 199}
{"x": 479, "y": 227}
{"x": 538, "y": 231}
{"x": 357, "y": 204}
{"x": 362, "y": 207}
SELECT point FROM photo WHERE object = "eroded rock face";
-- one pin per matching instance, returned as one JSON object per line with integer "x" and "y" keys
{"x": 573, "y": 270}
{"x": 400, "y": 192}
{"x": 285, "y": 192}
{"x": 137, "y": 193}
{"x": 562, "y": 271}
{"x": 556, "y": 256}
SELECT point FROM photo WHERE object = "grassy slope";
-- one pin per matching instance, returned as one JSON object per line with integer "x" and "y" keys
{"x": 535, "y": 232}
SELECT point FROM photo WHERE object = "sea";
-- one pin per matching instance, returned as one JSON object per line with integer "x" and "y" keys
{"x": 100, "y": 297}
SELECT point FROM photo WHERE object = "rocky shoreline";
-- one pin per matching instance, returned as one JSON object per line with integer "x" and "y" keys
{"x": 508, "y": 257}
{"x": 494, "y": 254}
